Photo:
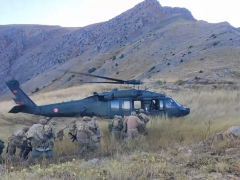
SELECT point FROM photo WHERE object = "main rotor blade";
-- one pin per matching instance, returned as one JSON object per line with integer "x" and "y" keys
{"x": 104, "y": 82}
{"x": 85, "y": 74}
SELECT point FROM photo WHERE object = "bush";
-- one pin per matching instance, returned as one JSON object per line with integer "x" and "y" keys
{"x": 159, "y": 82}
{"x": 121, "y": 56}
{"x": 179, "y": 82}
{"x": 113, "y": 58}
{"x": 92, "y": 70}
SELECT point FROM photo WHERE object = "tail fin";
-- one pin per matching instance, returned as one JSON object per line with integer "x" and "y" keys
{"x": 21, "y": 97}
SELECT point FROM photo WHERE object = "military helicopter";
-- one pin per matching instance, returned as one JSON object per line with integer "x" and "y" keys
{"x": 103, "y": 104}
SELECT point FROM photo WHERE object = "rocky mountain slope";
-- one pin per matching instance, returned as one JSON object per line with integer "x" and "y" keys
{"x": 146, "y": 42}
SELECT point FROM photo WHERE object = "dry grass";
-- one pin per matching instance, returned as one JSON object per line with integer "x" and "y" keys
{"x": 155, "y": 156}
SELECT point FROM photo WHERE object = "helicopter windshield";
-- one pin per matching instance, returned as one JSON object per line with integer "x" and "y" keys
{"x": 171, "y": 103}
{"x": 177, "y": 103}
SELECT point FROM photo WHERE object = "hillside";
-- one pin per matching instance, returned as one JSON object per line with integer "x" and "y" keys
{"x": 146, "y": 42}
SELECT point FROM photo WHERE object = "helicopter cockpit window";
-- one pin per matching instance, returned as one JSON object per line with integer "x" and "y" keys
{"x": 125, "y": 105}
{"x": 137, "y": 104}
{"x": 170, "y": 103}
{"x": 115, "y": 105}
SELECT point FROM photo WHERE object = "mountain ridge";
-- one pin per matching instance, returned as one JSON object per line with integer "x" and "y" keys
{"x": 33, "y": 55}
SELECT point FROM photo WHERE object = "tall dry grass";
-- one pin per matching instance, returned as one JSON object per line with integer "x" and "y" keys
{"x": 211, "y": 112}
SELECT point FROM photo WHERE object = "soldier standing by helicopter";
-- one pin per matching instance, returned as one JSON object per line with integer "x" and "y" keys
{"x": 144, "y": 118}
{"x": 72, "y": 129}
{"x": 131, "y": 123}
{"x": 115, "y": 127}
{"x": 16, "y": 141}
{"x": 85, "y": 137}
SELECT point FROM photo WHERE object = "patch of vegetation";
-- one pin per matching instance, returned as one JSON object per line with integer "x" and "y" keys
{"x": 116, "y": 64}
{"x": 181, "y": 60}
{"x": 152, "y": 68}
{"x": 180, "y": 82}
{"x": 168, "y": 63}
{"x": 215, "y": 43}
{"x": 121, "y": 56}
{"x": 92, "y": 70}
{"x": 190, "y": 47}
{"x": 114, "y": 58}
{"x": 201, "y": 71}
{"x": 213, "y": 36}
{"x": 160, "y": 82}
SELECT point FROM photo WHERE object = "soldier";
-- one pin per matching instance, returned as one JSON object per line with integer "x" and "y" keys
{"x": 35, "y": 133}
{"x": 131, "y": 123}
{"x": 16, "y": 141}
{"x": 93, "y": 126}
{"x": 52, "y": 125}
{"x": 85, "y": 137}
{"x": 115, "y": 127}
{"x": 72, "y": 129}
{"x": 2, "y": 146}
{"x": 144, "y": 118}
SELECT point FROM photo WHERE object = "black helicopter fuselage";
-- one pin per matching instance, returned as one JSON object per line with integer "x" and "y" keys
{"x": 105, "y": 104}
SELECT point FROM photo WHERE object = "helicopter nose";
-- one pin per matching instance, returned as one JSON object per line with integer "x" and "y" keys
{"x": 187, "y": 111}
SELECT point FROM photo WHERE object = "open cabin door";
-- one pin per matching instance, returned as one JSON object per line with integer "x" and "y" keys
{"x": 153, "y": 106}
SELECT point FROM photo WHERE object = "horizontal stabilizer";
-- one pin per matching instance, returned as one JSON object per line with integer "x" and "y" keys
{"x": 16, "y": 109}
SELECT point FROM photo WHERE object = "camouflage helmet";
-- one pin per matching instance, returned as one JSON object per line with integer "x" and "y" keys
{"x": 141, "y": 110}
{"x": 47, "y": 128}
{"x": 115, "y": 116}
{"x": 53, "y": 123}
{"x": 94, "y": 118}
{"x": 119, "y": 117}
{"x": 86, "y": 118}
{"x": 133, "y": 113}
{"x": 43, "y": 121}
{"x": 25, "y": 128}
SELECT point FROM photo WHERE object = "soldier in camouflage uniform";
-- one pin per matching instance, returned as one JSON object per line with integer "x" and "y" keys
{"x": 2, "y": 146}
{"x": 16, "y": 141}
{"x": 115, "y": 127}
{"x": 131, "y": 123}
{"x": 72, "y": 129}
{"x": 35, "y": 133}
{"x": 144, "y": 118}
{"x": 85, "y": 137}
{"x": 93, "y": 126}
{"x": 52, "y": 125}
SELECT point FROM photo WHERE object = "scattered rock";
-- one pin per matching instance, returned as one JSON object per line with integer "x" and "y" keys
{"x": 200, "y": 176}
{"x": 232, "y": 176}
{"x": 93, "y": 162}
{"x": 231, "y": 151}
{"x": 216, "y": 175}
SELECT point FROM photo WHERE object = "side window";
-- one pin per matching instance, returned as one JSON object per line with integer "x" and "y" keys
{"x": 137, "y": 104}
{"x": 160, "y": 104}
{"x": 115, "y": 105}
{"x": 125, "y": 105}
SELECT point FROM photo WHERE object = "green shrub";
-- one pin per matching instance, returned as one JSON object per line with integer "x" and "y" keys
{"x": 92, "y": 70}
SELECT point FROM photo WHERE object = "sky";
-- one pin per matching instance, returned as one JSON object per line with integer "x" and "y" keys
{"x": 79, "y": 13}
